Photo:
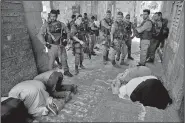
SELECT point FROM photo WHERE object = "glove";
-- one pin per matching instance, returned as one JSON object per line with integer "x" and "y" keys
{"x": 48, "y": 45}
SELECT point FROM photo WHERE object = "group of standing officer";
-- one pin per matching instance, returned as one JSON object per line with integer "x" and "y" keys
{"x": 152, "y": 33}
{"x": 118, "y": 34}
{"x": 55, "y": 36}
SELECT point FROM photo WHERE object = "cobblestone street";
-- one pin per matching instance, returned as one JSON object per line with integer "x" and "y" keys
{"x": 95, "y": 102}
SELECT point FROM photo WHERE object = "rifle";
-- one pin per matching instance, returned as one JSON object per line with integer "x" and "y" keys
{"x": 63, "y": 39}
{"x": 87, "y": 46}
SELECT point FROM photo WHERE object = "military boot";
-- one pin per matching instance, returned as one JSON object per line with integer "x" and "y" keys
{"x": 107, "y": 56}
{"x": 81, "y": 65}
{"x": 67, "y": 73}
{"x": 117, "y": 58}
{"x": 123, "y": 63}
{"x": 130, "y": 57}
{"x": 114, "y": 63}
{"x": 104, "y": 60}
{"x": 76, "y": 70}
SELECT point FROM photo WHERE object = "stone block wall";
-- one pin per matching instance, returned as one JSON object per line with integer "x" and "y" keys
{"x": 33, "y": 21}
{"x": 173, "y": 57}
{"x": 17, "y": 59}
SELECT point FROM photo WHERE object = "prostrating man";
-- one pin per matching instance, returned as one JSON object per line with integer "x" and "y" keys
{"x": 105, "y": 29}
{"x": 144, "y": 32}
{"x": 118, "y": 36}
{"x": 77, "y": 34}
{"x": 55, "y": 32}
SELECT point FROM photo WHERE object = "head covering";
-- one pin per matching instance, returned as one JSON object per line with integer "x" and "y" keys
{"x": 122, "y": 91}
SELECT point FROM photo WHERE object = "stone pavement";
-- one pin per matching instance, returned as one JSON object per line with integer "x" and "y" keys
{"x": 95, "y": 102}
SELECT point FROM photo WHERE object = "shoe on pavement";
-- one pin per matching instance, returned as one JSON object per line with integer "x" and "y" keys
{"x": 68, "y": 97}
{"x": 67, "y": 73}
{"x": 131, "y": 58}
{"x": 74, "y": 88}
{"x": 139, "y": 64}
{"x": 150, "y": 60}
{"x": 118, "y": 58}
{"x": 93, "y": 53}
{"x": 59, "y": 103}
{"x": 53, "y": 108}
{"x": 123, "y": 63}
{"x": 81, "y": 66}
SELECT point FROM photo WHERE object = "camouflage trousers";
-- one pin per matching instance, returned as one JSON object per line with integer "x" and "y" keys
{"x": 78, "y": 52}
{"x": 144, "y": 45}
{"x": 152, "y": 49}
{"x": 60, "y": 52}
{"x": 106, "y": 43}
{"x": 119, "y": 48}
{"x": 92, "y": 40}
{"x": 129, "y": 43}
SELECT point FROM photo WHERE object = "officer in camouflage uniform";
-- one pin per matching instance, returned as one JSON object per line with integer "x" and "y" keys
{"x": 55, "y": 32}
{"x": 85, "y": 24}
{"x": 77, "y": 34}
{"x": 105, "y": 28}
{"x": 92, "y": 35}
{"x": 118, "y": 38}
{"x": 165, "y": 30}
{"x": 144, "y": 32}
{"x": 157, "y": 23}
{"x": 129, "y": 26}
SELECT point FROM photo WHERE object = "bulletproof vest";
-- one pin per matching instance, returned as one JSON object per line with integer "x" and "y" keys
{"x": 120, "y": 30}
{"x": 155, "y": 33}
{"x": 80, "y": 31}
{"x": 55, "y": 29}
{"x": 91, "y": 32}
{"x": 147, "y": 35}
{"x": 128, "y": 27}
{"x": 105, "y": 30}
{"x": 85, "y": 22}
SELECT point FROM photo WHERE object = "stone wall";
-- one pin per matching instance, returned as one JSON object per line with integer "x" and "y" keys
{"x": 65, "y": 8}
{"x": 34, "y": 22}
{"x": 17, "y": 59}
{"x": 173, "y": 56}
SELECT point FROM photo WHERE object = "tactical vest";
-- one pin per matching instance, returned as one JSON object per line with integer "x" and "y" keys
{"x": 80, "y": 32}
{"x": 146, "y": 35}
{"x": 120, "y": 30}
{"x": 55, "y": 30}
{"x": 86, "y": 22}
{"x": 128, "y": 27}
{"x": 155, "y": 33}
{"x": 91, "y": 32}
{"x": 105, "y": 30}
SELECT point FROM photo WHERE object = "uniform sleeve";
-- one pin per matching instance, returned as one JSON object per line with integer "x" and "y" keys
{"x": 113, "y": 28}
{"x": 147, "y": 26}
{"x": 64, "y": 27}
{"x": 105, "y": 24}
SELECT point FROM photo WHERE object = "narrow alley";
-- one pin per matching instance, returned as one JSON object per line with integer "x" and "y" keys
{"x": 23, "y": 57}
{"x": 95, "y": 101}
